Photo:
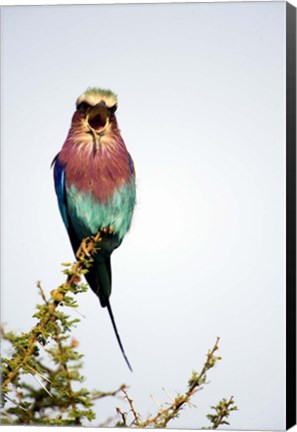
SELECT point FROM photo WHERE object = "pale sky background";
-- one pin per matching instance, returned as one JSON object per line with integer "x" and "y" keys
{"x": 201, "y": 92}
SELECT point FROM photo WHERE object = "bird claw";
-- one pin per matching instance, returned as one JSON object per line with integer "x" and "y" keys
{"x": 82, "y": 250}
{"x": 107, "y": 230}
{"x": 87, "y": 246}
{"x": 97, "y": 237}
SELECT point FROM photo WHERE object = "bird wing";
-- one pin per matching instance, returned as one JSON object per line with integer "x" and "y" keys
{"x": 98, "y": 276}
{"x": 131, "y": 164}
{"x": 59, "y": 178}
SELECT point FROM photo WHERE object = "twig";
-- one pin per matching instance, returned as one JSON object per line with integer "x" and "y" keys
{"x": 222, "y": 412}
{"x": 130, "y": 401}
{"x": 100, "y": 395}
{"x": 41, "y": 292}
{"x": 123, "y": 415}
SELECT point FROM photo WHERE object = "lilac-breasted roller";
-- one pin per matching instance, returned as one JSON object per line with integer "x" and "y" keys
{"x": 95, "y": 186}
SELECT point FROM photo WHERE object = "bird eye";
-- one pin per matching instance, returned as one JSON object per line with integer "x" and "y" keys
{"x": 83, "y": 106}
{"x": 112, "y": 109}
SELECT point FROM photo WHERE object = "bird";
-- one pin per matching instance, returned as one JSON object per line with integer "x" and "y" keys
{"x": 94, "y": 178}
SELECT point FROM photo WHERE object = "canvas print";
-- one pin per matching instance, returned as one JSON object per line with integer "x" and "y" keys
{"x": 148, "y": 217}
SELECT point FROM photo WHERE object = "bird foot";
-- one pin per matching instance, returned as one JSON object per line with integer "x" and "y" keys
{"x": 82, "y": 250}
{"x": 89, "y": 246}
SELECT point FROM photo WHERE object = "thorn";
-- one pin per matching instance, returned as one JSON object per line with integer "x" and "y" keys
{"x": 168, "y": 394}
{"x": 79, "y": 313}
{"x": 158, "y": 405}
{"x": 43, "y": 386}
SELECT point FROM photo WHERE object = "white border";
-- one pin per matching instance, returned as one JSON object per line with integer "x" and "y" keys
{"x": 92, "y": 2}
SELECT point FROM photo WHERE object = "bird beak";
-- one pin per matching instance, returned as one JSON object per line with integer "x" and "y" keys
{"x": 98, "y": 118}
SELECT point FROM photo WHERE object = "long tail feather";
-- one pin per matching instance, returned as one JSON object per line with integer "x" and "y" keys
{"x": 117, "y": 335}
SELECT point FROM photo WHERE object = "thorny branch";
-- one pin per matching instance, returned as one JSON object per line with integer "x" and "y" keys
{"x": 87, "y": 248}
{"x": 55, "y": 401}
{"x": 173, "y": 409}
{"x": 53, "y": 324}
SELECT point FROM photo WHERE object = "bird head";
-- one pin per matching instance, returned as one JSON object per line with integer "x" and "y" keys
{"x": 95, "y": 112}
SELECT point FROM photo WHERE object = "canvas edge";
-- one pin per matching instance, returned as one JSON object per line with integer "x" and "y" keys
{"x": 290, "y": 215}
